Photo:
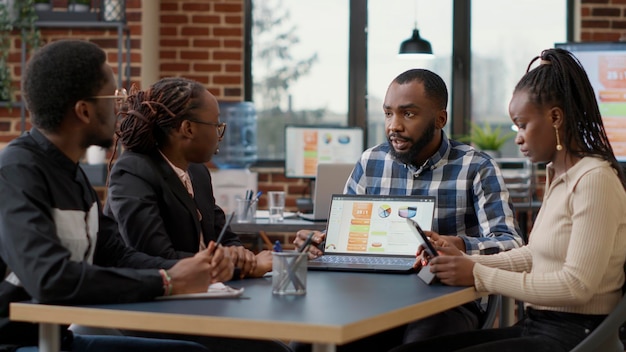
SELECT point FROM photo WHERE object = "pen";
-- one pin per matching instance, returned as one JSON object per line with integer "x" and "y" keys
{"x": 221, "y": 235}
{"x": 306, "y": 243}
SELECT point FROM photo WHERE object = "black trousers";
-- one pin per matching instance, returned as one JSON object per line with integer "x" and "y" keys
{"x": 539, "y": 331}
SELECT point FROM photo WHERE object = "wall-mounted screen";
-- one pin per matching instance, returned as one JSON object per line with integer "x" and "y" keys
{"x": 605, "y": 63}
{"x": 306, "y": 146}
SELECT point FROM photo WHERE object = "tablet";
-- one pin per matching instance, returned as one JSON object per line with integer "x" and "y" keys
{"x": 422, "y": 238}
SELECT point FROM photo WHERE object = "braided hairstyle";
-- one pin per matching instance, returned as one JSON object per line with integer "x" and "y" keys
{"x": 560, "y": 80}
{"x": 152, "y": 114}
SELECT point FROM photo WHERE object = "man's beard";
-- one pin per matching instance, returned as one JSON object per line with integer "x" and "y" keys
{"x": 416, "y": 146}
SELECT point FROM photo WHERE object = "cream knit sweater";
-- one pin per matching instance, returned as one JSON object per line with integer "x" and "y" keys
{"x": 574, "y": 259}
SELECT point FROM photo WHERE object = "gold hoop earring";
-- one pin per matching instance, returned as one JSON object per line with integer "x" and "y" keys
{"x": 559, "y": 147}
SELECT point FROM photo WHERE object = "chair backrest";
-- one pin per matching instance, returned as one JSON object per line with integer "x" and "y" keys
{"x": 518, "y": 175}
{"x": 493, "y": 307}
{"x": 605, "y": 338}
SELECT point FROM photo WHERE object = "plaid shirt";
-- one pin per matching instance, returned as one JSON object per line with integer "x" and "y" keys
{"x": 472, "y": 200}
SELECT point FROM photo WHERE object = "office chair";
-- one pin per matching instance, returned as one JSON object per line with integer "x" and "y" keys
{"x": 606, "y": 337}
{"x": 491, "y": 311}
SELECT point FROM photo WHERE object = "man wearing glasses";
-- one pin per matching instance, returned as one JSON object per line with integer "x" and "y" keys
{"x": 55, "y": 244}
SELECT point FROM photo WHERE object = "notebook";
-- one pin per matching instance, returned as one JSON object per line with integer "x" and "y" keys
{"x": 370, "y": 233}
{"x": 330, "y": 179}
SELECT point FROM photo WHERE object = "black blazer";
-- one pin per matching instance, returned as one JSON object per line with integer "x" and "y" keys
{"x": 155, "y": 214}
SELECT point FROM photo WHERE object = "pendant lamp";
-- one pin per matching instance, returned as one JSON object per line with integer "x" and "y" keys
{"x": 416, "y": 46}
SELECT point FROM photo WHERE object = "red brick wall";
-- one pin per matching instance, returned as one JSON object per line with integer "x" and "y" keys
{"x": 201, "y": 40}
{"x": 603, "y": 20}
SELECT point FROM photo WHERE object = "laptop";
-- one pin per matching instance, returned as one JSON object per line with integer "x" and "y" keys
{"x": 331, "y": 178}
{"x": 368, "y": 233}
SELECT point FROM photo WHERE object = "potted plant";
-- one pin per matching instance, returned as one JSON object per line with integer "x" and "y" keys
{"x": 487, "y": 139}
{"x": 6, "y": 26}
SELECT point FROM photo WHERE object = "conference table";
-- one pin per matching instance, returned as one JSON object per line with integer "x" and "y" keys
{"x": 338, "y": 308}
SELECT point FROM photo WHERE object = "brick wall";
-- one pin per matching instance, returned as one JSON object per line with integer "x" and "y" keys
{"x": 201, "y": 40}
{"x": 603, "y": 20}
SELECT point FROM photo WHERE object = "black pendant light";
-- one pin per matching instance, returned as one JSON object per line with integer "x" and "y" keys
{"x": 416, "y": 45}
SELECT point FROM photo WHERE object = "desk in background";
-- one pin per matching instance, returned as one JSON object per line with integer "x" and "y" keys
{"x": 262, "y": 226}
{"x": 338, "y": 308}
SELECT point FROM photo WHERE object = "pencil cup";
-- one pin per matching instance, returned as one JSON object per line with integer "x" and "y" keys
{"x": 276, "y": 201}
{"x": 289, "y": 273}
{"x": 246, "y": 210}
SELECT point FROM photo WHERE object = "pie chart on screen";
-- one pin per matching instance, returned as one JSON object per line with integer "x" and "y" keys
{"x": 407, "y": 212}
{"x": 384, "y": 211}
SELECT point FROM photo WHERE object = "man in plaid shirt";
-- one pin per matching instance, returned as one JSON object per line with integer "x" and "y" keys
{"x": 474, "y": 211}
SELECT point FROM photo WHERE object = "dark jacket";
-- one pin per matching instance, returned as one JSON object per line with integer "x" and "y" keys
{"x": 55, "y": 244}
{"x": 156, "y": 214}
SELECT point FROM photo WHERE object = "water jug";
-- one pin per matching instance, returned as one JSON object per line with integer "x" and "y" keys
{"x": 238, "y": 148}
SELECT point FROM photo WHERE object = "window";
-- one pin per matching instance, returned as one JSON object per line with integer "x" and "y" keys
{"x": 387, "y": 28}
{"x": 299, "y": 67}
{"x": 300, "y": 71}
{"x": 502, "y": 47}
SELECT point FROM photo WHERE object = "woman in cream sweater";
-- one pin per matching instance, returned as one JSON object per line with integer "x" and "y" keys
{"x": 571, "y": 272}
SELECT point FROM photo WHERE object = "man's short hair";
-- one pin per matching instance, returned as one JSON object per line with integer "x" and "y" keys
{"x": 434, "y": 86}
{"x": 57, "y": 76}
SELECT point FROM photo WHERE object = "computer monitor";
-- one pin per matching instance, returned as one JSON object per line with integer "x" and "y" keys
{"x": 605, "y": 63}
{"x": 306, "y": 146}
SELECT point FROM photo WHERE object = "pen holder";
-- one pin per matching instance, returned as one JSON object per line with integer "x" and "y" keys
{"x": 246, "y": 210}
{"x": 289, "y": 270}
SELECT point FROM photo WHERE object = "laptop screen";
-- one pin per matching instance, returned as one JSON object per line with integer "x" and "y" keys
{"x": 368, "y": 224}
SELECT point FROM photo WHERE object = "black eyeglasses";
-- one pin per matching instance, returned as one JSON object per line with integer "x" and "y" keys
{"x": 221, "y": 126}
{"x": 121, "y": 96}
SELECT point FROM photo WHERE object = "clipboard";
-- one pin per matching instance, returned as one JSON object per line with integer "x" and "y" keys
{"x": 216, "y": 290}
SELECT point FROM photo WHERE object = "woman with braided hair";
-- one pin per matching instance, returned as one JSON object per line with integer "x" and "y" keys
{"x": 570, "y": 275}
{"x": 160, "y": 191}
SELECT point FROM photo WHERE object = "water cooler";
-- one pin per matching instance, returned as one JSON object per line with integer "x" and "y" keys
{"x": 238, "y": 148}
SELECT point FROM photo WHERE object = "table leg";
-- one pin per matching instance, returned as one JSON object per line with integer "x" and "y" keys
{"x": 324, "y": 347}
{"x": 49, "y": 337}
{"x": 507, "y": 318}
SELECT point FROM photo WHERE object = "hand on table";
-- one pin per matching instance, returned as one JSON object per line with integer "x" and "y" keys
{"x": 195, "y": 274}
{"x": 243, "y": 259}
{"x": 263, "y": 264}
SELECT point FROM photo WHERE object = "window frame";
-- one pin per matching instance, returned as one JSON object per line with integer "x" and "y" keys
{"x": 460, "y": 90}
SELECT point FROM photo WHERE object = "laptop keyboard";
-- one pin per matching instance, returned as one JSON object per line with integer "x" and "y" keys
{"x": 357, "y": 259}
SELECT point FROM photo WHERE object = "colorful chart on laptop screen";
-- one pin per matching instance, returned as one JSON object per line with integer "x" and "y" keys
{"x": 407, "y": 212}
{"x": 384, "y": 211}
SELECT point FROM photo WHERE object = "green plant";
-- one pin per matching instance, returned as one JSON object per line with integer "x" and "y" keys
{"x": 484, "y": 137}
{"x": 25, "y": 18}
